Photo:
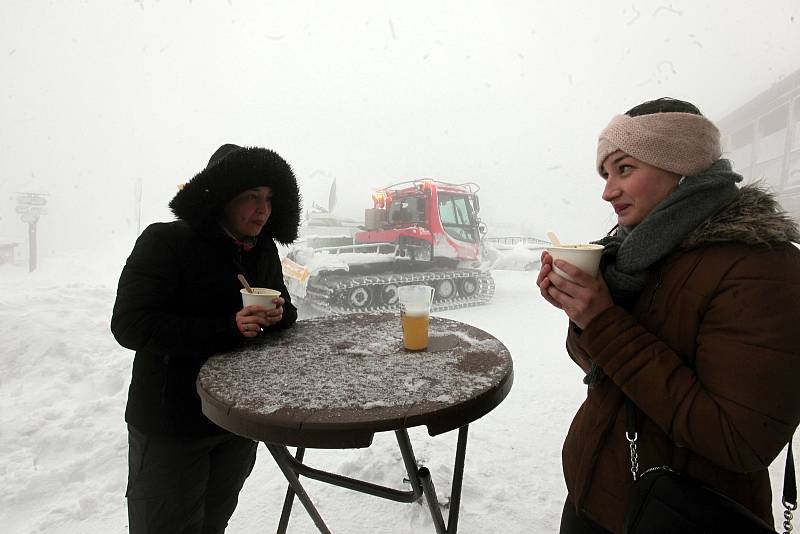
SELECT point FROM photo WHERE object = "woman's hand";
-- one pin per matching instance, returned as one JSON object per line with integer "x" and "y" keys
{"x": 251, "y": 320}
{"x": 582, "y": 300}
{"x": 543, "y": 281}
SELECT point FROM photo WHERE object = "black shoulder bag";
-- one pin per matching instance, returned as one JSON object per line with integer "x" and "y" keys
{"x": 663, "y": 501}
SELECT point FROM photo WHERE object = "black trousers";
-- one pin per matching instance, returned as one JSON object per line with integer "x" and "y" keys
{"x": 185, "y": 485}
{"x": 572, "y": 523}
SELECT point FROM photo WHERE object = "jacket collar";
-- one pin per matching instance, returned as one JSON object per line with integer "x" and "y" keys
{"x": 753, "y": 218}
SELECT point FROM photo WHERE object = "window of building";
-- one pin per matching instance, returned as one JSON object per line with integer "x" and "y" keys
{"x": 793, "y": 174}
{"x": 772, "y": 134}
{"x": 741, "y": 149}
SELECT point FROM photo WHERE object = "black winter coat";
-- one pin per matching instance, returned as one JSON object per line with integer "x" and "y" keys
{"x": 176, "y": 303}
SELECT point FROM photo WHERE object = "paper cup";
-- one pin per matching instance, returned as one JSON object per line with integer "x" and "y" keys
{"x": 585, "y": 257}
{"x": 260, "y": 296}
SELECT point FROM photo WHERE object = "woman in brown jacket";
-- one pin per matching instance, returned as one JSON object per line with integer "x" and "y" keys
{"x": 694, "y": 318}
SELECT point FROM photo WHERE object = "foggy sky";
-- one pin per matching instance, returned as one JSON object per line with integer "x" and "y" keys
{"x": 98, "y": 95}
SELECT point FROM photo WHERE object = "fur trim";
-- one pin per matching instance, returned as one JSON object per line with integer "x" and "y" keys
{"x": 754, "y": 218}
{"x": 202, "y": 199}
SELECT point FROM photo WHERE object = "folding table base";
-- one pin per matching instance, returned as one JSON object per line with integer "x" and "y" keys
{"x": 419, "y": 477}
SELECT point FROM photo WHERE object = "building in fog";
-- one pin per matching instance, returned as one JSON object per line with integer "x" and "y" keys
{"x": 762, "y": 138}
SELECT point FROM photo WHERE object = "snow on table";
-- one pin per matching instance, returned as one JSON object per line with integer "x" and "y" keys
{"x": 352, "y": 371}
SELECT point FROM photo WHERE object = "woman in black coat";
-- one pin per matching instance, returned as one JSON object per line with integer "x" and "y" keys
{"x": 178, "y": 302}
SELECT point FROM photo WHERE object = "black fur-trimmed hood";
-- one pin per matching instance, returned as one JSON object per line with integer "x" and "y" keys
{"x": 233, "y": 169}
{"x": 754, "y": 218}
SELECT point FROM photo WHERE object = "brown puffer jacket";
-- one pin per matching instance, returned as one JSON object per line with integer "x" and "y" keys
{"x": 710, "y": 356}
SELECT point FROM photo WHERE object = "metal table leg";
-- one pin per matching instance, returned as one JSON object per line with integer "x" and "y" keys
{"x": 289, "y": 500}
{"x": 458, "y": 478}
{"x": 282, "y": 456}
{"x": 432, "y": 500}
{"x": 419, "y": 478}
{"x": 455, "y": 496}
{"x": 410, "y": 461}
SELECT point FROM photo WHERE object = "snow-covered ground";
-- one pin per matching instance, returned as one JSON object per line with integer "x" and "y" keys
{"x": 63, "y": 385}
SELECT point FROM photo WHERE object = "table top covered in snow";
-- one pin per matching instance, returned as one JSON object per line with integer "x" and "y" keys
{"x": 332, "y": 382}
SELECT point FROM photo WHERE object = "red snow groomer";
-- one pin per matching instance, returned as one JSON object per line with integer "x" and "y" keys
{"x": 417, "y": 232}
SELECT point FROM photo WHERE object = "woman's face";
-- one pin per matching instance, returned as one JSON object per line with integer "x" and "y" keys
{"x": 634, "y": 188}
{"x": 248, "y": 212}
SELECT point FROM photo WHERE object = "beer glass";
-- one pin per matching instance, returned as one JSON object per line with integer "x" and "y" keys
{"x": 415, "y": 309}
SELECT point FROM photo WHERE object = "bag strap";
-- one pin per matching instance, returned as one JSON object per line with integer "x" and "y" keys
{"x": 789, "y": 481}
{"x": 632, "y": 436}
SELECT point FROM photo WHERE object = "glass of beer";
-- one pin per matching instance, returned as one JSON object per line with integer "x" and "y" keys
{"x": 415, "y": 310}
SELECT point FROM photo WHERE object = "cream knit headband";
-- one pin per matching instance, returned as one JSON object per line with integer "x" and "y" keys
{"x": 682, "y": 143}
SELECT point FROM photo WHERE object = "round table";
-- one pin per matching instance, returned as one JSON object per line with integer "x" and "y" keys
{"x": 333, "y": 381}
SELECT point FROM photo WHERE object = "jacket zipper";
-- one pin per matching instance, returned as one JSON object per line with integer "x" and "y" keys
{"x": 659, "y": 281}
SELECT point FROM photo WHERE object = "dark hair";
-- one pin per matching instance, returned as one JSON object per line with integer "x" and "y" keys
{"x": 663, "y": 105}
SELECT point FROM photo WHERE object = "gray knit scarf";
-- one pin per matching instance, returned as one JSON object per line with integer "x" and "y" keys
{"x": 629, "y": 254}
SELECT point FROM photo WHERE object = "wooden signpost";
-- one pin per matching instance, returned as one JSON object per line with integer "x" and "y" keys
{"x": 30, "y": 206}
